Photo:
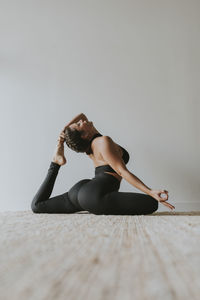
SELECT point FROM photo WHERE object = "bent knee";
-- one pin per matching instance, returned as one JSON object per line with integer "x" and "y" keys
{"x": 152, "y": 205}
{"x": 35, "y": 210}
{"x": 34, "y": 207}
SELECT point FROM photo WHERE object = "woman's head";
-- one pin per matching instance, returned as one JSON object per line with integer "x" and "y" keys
{"x": 78, "y": 135}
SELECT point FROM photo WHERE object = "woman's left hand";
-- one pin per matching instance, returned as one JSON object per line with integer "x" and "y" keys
{"x": 156, "y": 194}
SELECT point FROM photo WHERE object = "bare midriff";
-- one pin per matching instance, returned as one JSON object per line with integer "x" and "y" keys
{"x": 97, "y": 159}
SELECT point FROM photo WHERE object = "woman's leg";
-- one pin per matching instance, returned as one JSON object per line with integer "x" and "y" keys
{"x": 101, "y": 196}
{"x": 124, "y": 203}
{"x": 64, "y": 203}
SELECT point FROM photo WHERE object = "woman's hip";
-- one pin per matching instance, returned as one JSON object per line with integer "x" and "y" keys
{"x": 93, "y": 195}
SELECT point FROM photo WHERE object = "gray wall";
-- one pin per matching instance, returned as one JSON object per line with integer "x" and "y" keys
{"x": 131, "y": 66}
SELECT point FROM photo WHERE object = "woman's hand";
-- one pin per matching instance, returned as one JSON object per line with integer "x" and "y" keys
{"x": 156, "y": 194}
{"x": 76, "y": 119}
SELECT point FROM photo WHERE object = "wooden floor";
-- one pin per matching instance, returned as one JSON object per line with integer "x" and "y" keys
{"x": 85, "y": 256}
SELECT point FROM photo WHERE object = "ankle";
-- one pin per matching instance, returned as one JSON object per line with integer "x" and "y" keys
{"x": 55, "y": 164}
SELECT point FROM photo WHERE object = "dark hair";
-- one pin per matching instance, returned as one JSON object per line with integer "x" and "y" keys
{"x": 75, "y": 142}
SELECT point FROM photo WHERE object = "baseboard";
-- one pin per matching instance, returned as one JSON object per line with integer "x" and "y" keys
{"x": 181, "y": 206}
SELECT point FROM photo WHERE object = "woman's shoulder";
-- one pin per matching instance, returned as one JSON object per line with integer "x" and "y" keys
{"x": 102, "y": 141}
{"x": 105, "y": 141}
{"x": 105, "y": 138}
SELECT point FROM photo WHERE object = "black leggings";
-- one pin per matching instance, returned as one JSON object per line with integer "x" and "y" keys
{"x": 98, "y": 195}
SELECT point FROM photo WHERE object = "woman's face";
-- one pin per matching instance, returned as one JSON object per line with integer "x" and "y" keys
{"x": 81, "y": 125}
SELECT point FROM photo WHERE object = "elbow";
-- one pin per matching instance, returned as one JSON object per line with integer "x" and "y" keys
{"x": 84, "y": 116}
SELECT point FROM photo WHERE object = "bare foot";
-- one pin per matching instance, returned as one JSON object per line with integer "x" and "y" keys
{"x": 59, "y": 156}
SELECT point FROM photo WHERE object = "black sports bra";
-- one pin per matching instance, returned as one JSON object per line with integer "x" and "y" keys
{"x": 108, "y": 168}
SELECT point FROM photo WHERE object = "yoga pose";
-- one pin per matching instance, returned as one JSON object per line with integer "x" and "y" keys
{"x": 100, "y": 194}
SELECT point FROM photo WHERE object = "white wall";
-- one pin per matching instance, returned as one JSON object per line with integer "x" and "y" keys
{"x": 131, "y": 66}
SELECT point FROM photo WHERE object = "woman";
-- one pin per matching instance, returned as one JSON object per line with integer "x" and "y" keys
{"x": 98, "y": 195}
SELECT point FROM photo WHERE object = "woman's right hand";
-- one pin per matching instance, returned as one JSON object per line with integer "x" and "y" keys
{"x": 156, "y": 194}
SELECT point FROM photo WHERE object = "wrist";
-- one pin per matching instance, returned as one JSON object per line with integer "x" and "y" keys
{"x": 149, "y": 192}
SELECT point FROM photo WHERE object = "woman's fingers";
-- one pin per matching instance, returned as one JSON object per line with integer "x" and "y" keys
{"x": 62, "y": 134}
{"x": 156, "y": 194}
{"x": 165, "y": 198}
{"x": 168, "y": 205}
{"x": 61, "y": 138}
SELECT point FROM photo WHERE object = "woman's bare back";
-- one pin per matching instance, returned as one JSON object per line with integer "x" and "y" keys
{"x": 97, "y": 157}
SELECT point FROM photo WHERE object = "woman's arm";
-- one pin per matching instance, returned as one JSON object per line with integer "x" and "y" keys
{"x": 112, "y": 157}
{"x": 135, "y": 181}
{"x": 156, "y": 194}
{"x": 76, "y": 119}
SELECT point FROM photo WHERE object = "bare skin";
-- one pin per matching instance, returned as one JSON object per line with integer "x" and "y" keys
{"x": 88, "y": 132}
{"x": 59, "y": 156}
